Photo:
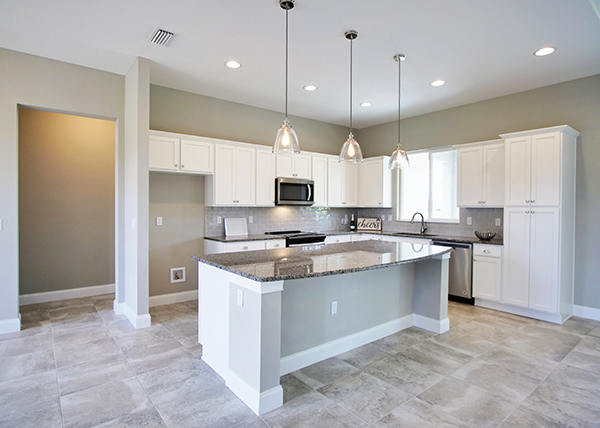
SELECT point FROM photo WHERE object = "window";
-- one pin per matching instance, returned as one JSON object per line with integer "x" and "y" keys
{"x": 429, "y": 186}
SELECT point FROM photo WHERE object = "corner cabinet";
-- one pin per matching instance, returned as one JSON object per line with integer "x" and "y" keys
{"x": 539, "y": 224}
{"x": 183, "y": 155}
{"x": 234, "y": 181}
{"x": 480, "y": 179}
{"x": 375, "y": 183}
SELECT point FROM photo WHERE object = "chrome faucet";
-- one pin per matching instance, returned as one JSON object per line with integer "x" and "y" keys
{"x": 423, "y": 227}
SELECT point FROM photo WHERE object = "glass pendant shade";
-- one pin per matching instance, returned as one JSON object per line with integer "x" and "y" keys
{"x": 351, "y": 152}
{"x": 286, "y": 142}
{"x": 399, "y": 159}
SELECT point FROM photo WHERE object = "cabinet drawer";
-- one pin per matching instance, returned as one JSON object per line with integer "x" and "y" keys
{"x": 336, "y": 239}
{"x": 275, "y": 243}
{"x": 487, "y": 250}
{"x": 231, "y": 247}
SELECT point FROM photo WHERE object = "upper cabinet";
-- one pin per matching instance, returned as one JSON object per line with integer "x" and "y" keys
{"x": 190, "y": 156}
{"x": 265, "y": 178}
{"x": 234, "y": 181}
{"x": 480, "y": 178}
{"x": 375, "y": 183}
{"x": 342, "y": 183}
{"x": 319, "y": 176}
{"x": 294, "y": 166}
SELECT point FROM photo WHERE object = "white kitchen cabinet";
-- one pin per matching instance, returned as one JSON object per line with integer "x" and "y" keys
{"x": 265, "y": 178}
{"x": 319, "y": 176}
{"x": 294, "y": 166}
{"x": 342, "y": 184}
{"x": 234, "y": 181}
{"x": 188, "y": 156}
{"x": 215, "y": 247}
{"x": 480, "y": 181}
{"x": 375, "y": 183}
{"x": 338, "y": 239}
{"x": 487, "y": 272}
{"x": 539, "y": 224}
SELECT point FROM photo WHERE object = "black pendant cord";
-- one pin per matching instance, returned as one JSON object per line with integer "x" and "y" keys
{"x": 351, "y": 86}
{"x": 286, "y": 64}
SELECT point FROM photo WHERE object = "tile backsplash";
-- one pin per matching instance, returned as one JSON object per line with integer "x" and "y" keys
{"x": 325, "y": 219}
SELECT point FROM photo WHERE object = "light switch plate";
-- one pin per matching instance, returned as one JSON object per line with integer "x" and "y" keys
{"x": 333, "y": 308}
{"x": 219, "y": 220}
{"x": 498, "y": 222}
{"x": 250, "y": 219}
{"x": 389, "y": 217}
{"x": 159, "y": 221}
{"x": 240, "y": 297}
{"x": 469, "y": 221}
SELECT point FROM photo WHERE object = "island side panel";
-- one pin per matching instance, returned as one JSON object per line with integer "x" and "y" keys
{"x": 431, "y": 294}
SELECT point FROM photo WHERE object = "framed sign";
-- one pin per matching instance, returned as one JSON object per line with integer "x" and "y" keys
{"x": 368, "y": 224}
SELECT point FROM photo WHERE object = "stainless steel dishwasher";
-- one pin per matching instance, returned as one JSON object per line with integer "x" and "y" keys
{"x": 460, "y": 277}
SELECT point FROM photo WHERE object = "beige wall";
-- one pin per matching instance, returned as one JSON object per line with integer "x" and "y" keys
{"x": 66, "y": 201}
{"x": 179, "y": 200}
{"x": 575, "y": 103}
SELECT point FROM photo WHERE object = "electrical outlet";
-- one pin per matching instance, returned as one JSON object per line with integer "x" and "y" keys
{"x": 219, "y": 219}
{"x": 159, "y": 221}
{"x": 498, "y": 223}
{"x": 469, "y": 221}
{"x": 383, "y": 217}
{"x": 1, "y": 224}
{"x": 333, "y": 308}
{"x": 389, "y": 217}
{"x": 240, "y": 297}
{"x": 177, "y": 275}
{"x": 250, "y": 219}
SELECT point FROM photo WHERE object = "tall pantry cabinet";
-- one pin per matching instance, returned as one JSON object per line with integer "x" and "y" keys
{"x": 539, "y": 223}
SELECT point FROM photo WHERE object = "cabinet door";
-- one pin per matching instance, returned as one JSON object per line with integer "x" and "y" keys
{"x": 545, "y": 169}
{"x": 302, "y": 166}
{"x": 285, "y": 166}
{"x": 350, "y": 183}
{"x": 245, "y": 176}
{"x": 265, "y": 178}
{"x": 163, "y": 153}
{"x": 516, "y": 256}
{"x": 370, "y": 184}
{"x": 487, "y": 276}
{"x": 518, "y": 171}
{"x": 334, "y": 183}
{"x": 544, "y": 258}
{"x": 319, "y": 176}
{"x": 493, "y": 175}
{"x": 224, "y": 193}
{"x": 197, "y": 157}
{"x": 470, "y": 177}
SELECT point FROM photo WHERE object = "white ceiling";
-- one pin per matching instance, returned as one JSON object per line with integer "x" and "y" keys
{"x": 482, "y": 48}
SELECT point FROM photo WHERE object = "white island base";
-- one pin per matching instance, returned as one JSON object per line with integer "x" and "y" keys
{"x": 252, "y": 332}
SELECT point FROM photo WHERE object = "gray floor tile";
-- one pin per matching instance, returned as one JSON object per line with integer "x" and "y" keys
{"x": 86, "y": 333}
{"x": 185, "y": 331}
{"x": 363, "y": 355}
{"x": 589, "y": 345}
{"x": 595, "y": 332}
{"x": 157, "y": 357}
{"x": 576, "y": 378}
{"x": 293, "y": 387}
{"x": 25, "y": 345}
{"x": 463, "y": 341}
{"x": 26, "y": 364}
{"x": 522, "y": 418}
{"x": 253, "y": 422}
{"x": 534, "y": 367}
{"x": 25, "y": 391}
{"x": 69, "y": 303}
{"x": 467, "y": 402}
{"x": 583, "y": 361}
{"x": 93, "y": 373}
{"x": 104, "y": 403}
{"x": 402, "y": 340}
{"x": 324, "y": 372}
{"x": 437, "y": 357}
{"x": 548, "y": 344}
{"x": 366, "y": 396}
{"x": 490, "y": 332}
{"x": 72, "y": 313}
{"x": 71, "y": 354}
{"x": 418, "y": 414}
{"x": 46, "y": 414}
{"x": 145, "y": 419}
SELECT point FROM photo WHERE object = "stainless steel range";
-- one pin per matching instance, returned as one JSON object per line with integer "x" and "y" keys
{"x": 296, "y": 238}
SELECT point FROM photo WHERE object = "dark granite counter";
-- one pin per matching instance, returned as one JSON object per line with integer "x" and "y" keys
{"x": 242, "y": 238}
{"x": 320, "y": 260}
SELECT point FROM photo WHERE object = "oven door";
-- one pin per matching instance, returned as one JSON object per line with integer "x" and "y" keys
{"x": 294, "y": 191}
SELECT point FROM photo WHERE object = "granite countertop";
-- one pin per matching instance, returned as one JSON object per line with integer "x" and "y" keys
{"x": 241, "y": 238}
{"x": 320, "y": 260}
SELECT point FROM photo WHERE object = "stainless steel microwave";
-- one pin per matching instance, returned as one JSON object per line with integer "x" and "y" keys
{"x": 294, "y": 191}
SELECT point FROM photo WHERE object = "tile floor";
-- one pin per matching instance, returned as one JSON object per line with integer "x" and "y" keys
{"x": 77, "y": 364}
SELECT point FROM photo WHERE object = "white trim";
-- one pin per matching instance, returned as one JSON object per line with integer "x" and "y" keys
{"x": 167, "y": 299}
{"x": 436, "y": 326}
{"x": 10, "y": 325}
{"x": 310, "y": 356}
{"x": 259, "y": 402}
{"x": 118, "y": 307}
{"x": 586, "y": 312}
{"x": 52, "y": 296}
{"x": 524, "y": 312}
{"x": 138, "y": 321}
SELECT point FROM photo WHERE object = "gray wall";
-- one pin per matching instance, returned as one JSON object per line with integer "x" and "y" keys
{"x": 66, "y": 201}
{"x": 575, "y": 103}
{"x": 179, "y": 200}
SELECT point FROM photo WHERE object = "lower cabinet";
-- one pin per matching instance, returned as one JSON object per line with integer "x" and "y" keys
{"x": 336, "y": 239}
{"x": 215, "y": 247}
{"x": 487, "y": 272}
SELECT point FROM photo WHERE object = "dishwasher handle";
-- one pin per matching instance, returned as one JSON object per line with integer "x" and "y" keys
{"x": 452, "y": 244}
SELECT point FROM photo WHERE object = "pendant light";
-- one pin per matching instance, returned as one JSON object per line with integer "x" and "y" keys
{"x": 286, "y": 142}
{"x": 351, "y": 152}
{"x": 399, "y": 159}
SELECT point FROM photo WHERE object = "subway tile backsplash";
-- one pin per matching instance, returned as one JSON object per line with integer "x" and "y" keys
{"x": 330, "y": 220}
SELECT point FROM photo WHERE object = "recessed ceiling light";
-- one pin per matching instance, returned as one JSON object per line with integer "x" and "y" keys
{"x": 310, "y": 88}
{"x": 233, "y": 64}
{"x": 366, "y": 104}
{"x": 437, "y": 83}
{"x": 544, "y": 51}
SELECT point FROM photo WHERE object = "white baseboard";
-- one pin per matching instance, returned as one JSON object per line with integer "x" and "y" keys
{"x": 138, "y": 321}
{"x": 430, "y": 324}
{"x": 52, "y": 296}
{"x": 167, "y": 299}
{"x": 259, "y": 402}
{"x": 310, "y": 356}
{"x": 586, "y": 312}
{"x": 11, "y": 325}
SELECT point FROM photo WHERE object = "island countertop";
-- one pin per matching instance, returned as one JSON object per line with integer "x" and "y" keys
{"x": 320, "y": 260}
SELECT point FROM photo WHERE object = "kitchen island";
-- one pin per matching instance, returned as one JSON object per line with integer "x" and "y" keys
{"x": 266, "y": 313}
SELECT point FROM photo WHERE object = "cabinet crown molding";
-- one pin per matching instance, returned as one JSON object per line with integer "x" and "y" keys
{"x": 562, "y": 128}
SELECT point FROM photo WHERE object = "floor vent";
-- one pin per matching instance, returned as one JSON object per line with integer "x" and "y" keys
{"x": 161, "y": 37}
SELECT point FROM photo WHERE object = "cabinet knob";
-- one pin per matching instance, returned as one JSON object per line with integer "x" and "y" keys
{"x": 533, "y": 201}
{"x": 483, "y": 202}
{"x": 527, "y": 201}
{"x": 487, "y": 251}
{"x": 245, "y": 247}
{"x": 532, "y": 211}
{"x": 527, "y": 212}
{"x": 276, "y": 245}
{"x": 175, "y": 165}
{"x": 182, "y": 165}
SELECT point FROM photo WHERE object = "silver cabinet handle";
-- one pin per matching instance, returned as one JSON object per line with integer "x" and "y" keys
{"x": 276, "y": 245}
{"x": 487, "y": 251}
{"x": 182, "y": 165}
{"x": 533, "y": 201}
{"x": 527, "y": 201}
{"x": 527, "y": 212}
{"x": 245, "y": 247}
{"x": 175, "y": 165}
{"x": 532, "y": 212}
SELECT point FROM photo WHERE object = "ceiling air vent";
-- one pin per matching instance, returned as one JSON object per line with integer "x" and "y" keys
{"x": 161, "y": 37}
